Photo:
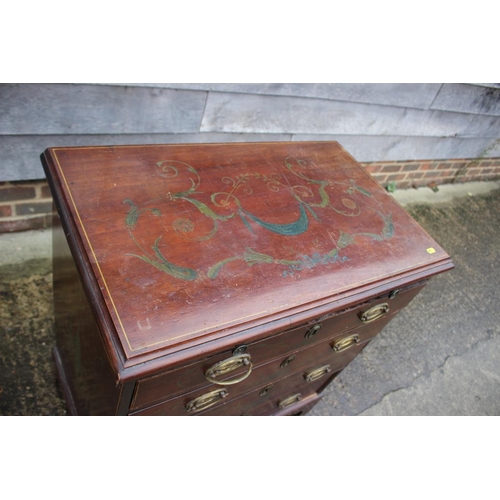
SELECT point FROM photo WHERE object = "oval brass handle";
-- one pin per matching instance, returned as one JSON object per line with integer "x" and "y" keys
{"x": 266, "y": 389}
{"x": 229, "y": 365}
{"x": 287, "y": 361}
{"x": 290, "y": 400}
{"x": 317, "y": 373}
{"x": 374, "y": 313}
{"x": 206, "y": 400}
{"x": 312, "y": 331}
{"x": 345, "y": 343}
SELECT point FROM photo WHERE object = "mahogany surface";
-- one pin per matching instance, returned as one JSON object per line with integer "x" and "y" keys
{"x": 187, "y": 251}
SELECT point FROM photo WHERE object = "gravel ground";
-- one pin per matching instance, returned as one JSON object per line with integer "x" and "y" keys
{"x": 27, "y": 374}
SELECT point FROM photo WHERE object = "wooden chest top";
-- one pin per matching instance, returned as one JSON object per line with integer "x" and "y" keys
{"x": 185, "y": 244}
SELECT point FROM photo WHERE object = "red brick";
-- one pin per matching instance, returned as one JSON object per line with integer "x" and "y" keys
{"x": 487, "y": 171}
{"x": 5, "y": 210}
{"x": 46, "y": 193}
{"x": 403, "y": 184}
{"x": 431, "y": 173}
{"x": 29, "y": 223}
{"x": 371, "y": 169}
{"x": 44, "y": 207}
{"x": 486, "y": 163}
{"x": 473, "y": 172}
{"x": 415, "y": 175}
{"x": 444, "y": 165}
{"x": 425, "y": 166}
{"x": 391, "y": 168}
{"x": 408, "y": 167}
{"x": 445, "y": 173}
{"x": 15, "y": 193}
{"x": 396, "y": 177}
{"x": 380, "y": 178}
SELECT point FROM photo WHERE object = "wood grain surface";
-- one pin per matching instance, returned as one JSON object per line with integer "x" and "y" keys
{"x": 186, "y": 244}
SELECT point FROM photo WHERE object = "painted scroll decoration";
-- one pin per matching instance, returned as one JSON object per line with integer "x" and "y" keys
{"x": 308, "y": 194}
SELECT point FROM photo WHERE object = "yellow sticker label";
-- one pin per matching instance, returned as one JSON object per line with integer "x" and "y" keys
{"x": 431, "y": 250}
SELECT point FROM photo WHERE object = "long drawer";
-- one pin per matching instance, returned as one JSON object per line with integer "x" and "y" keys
{"x": 268, "y": 398}
{"x": 245, "y": 366}
{"x": 306, "y": 365}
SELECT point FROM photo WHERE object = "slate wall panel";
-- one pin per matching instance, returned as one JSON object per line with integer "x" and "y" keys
{"x": 246, "y": 113}
{"x": 20, "y": 155}
{"x": 375, "y": 122}
{"x": 408, "y": 95}
{"x": 468, "y": 99}
{"x": 97, "y": 109}
{"x": 393, "y": 148}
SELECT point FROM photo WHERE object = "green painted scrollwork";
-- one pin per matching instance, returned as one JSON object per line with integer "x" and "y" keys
{"x": 251, "y": 257}
{"x": 134, "y": 212}
{"x": 164, "y": 265}
{"x": 310, "y": 194}
{"x": 291, "y": 229}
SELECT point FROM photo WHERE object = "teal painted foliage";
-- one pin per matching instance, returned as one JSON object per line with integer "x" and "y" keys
{"x": 308, "y": 193}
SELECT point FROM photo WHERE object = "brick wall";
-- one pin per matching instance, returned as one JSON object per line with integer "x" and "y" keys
{"x": 28, "y": 205}
{"x": 421, "y": 173}
{"x": 24, "y": 205}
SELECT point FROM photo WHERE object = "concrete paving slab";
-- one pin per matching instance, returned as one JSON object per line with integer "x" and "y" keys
{"x": 468, "y": 384}
{"x": 25, "y": 245}
{"x": 443, "y": 349}
{"x": 445, "y": 194}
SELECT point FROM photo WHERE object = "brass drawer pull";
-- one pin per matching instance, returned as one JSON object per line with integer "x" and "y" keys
{"x": 374, "y": 313}
{"x": 312, "y": 331}
{"x": 206, "y": 400}
{"x": 290, "y": 400}
{"x": 229, "y": 365}
{"x": 317, "y": 373}
{"x": 266, "y": 389}
{"x": 287, "y": 361}
{"x": 345, "y": 343}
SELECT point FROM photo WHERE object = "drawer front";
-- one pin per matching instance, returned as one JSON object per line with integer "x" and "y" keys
{"x": 296, "y": 409}
{"x": 285, "y": 395}
{"x": 300, "y": 408}
{"x": 335, "y": 324}
{"x": 335, "y": 353}
{"x": 188, "y": 378}
{"x": 265, "y": 397}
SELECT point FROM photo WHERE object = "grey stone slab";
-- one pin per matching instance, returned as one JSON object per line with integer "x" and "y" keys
{"x": 246, "y": 113}
{"x": 454, "y": 315}
{"x": 367, "y": 148}
{"x": 408, "y": 95}
{"x": 16, "y": 248}
{"x": 20, "y": 155}
{"x": 445, "y": 194}
{"x": 468, "y": 99}
{"x": 97, "y": 109}
{"x": 463, "y": 385}
{"x": 493, "y": 85}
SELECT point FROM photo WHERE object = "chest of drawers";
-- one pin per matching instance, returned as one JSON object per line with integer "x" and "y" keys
{"x": 222, "y": 279}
